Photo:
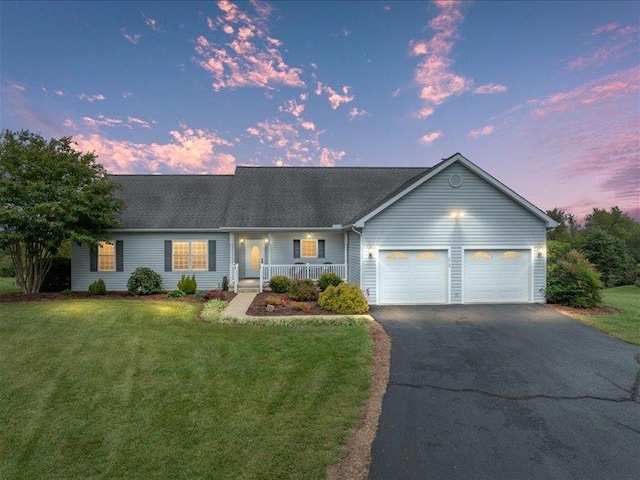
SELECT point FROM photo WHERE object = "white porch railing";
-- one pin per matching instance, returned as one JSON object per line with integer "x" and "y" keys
{"x": 301, "y": 271}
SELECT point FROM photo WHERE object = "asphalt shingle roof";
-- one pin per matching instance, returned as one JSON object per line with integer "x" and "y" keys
{"x": 259, "y": 197}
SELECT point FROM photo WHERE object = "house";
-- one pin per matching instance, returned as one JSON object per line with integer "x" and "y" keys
{"x": 447, "y": 234}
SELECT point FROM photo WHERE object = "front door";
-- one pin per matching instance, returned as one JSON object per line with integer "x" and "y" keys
{"x": 254, "y": 254}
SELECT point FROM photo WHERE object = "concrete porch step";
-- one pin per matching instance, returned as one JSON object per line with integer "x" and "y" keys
{"x": 250, "y": 289}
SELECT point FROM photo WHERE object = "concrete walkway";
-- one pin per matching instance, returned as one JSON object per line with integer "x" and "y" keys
{"x": 237, "y": 308}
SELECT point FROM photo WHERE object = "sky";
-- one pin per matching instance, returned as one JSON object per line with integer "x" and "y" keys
{"x": 544, "y": 96}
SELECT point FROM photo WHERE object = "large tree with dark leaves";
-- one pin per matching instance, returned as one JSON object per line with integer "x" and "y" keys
{"x": 50, "y": 192}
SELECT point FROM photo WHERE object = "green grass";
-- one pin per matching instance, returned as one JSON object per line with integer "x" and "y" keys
{"x": 624, "y": 325}
{"x": 9, "y": 285}
{"x": 128, "y": 389}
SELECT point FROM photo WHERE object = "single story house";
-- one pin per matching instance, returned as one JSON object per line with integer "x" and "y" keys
{"x": 447, "y": 234}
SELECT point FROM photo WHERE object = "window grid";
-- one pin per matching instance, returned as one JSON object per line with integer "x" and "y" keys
{"x": 106, "y": 257}
{"x": 190, "y": 255}
{"x": 309, "y": 248}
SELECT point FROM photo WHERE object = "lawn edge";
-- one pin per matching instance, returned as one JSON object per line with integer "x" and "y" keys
{"x": 356, "y": 459}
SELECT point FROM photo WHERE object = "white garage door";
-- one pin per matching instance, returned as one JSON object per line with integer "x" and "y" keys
{"x": 497, "y": 276}
{"x": 412, "y": 276}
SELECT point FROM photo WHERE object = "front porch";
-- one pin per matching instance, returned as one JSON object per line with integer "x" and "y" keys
{"x": 297, "y": 271}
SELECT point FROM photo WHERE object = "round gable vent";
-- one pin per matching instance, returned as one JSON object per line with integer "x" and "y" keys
{"x": 455, "y": 180}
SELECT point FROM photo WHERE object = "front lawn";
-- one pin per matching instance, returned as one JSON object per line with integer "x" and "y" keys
{"x": 624, "y": 325}
{"x": 124, "y": 389}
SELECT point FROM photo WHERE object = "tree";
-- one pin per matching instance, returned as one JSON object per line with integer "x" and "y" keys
{"x": 610, "y": 255}
{"x": 50, "y": 193}
{"x": 567, "y": 228}
{"x": 617, "y": 223}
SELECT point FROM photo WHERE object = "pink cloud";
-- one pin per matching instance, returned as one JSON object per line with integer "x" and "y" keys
{"x": 139, "y": 122}
{"x": 17, "y": 87}
{"x": 335, "y": 99}
{"x": 292, "y": 107}
{"x": 423, "y": 112}
{"x": 329, "y": 158}
{"x": 482, "y": 132}
{"x": 609, "y": 88}
{"x": 252, "y": 58}
{"x": 101, "y": 120}
{"x": 134, "y": 39}
{"x": 490, "y": 89}
{"x": 619, "y": 42}
{"x": 193, "y": 151}
{"x": 59, "y": 93}
{"x": 357, "y": 113}
{"x": 152, "y": 23}
{"x": 307, "y": 125}
{"x": 429, "y": 138}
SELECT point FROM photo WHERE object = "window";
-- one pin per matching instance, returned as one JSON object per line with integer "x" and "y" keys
{"x": 190, "y": 255}
{"x": 106, "y": 257}
{"x": 309, "y": 248}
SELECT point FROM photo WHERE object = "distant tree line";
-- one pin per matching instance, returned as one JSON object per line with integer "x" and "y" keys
{"x": 602, "y": 252}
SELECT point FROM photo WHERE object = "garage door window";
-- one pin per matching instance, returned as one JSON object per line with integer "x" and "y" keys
{"x": 428, "y": 256}
{"x": 397, "y": 256}
{"x": 510, "y": 254}
{"x": 480, "y": 256}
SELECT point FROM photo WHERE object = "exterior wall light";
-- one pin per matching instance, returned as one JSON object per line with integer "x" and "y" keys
{"x": 242, "y": 241}
{"x": 370, "y": 252}
{"x": 266, "y": 240}
{"x": 457, "y": 215}
{"x": 541, "y": 251}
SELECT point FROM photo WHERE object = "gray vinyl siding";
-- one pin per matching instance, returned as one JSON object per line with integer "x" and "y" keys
{"x": 422, "y": 218}
{"x": 147, "y": 250}
{"x": 354, "y": 256}
{"x": 282, "y": 247}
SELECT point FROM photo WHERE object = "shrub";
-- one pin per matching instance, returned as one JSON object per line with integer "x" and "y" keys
{"x": 573, "y": 281}
{"x": 611, "y": 257}
{"x": 344, "y": 299}
{"x": 176, "y": 294}
{"x": 274, "y": 300}
{"x": 188, "y": 284}
{"x": 327, "y": 279}
{"x": 225, "y": 284}
{"x": 144, "y": 281}
{"x": 279, "y": 284}
{"x": 6, "y": 266}
{"x": 200, "y": 294}
{"x": 66, "y": 291}
{"x": 303, "y": 290}
{"x": 98, "y": 287}
{"x": 301, "y": 307}
{"x": 58, "y": 277}
{"x": 214, "y": 295}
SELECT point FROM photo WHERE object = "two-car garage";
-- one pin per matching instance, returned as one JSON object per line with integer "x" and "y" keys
{"x": 421, "y": 276}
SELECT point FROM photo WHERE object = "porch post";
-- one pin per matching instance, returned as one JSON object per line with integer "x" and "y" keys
{"x": 346, "y": 256}
{"x": 261, "y": 269}
{"x": 232, "y": 256}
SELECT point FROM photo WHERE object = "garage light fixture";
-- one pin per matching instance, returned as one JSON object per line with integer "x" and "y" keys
{"x": 370, "y": 252}
{"x": 457, "y": 215}
{"x": 242, "y": 241}
{"x": 541, "y": 251}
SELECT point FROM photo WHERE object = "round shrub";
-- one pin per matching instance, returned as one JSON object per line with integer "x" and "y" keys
{"x": 98, "y": 287}
{"x": 176, "y": 294}
{"x": 303, "y": 290}
{"x": 344, "y": 299}
{"x": 327, "y": 279}
{"x": 144, "y": 281}
{"x": 214, "y": 295}
{"x": 573, "y": 281}
{"x": 188, "y": 284}
{"x": 279, "y": 284}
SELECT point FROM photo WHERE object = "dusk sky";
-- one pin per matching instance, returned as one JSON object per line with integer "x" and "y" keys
{"x": 542, "y": 95}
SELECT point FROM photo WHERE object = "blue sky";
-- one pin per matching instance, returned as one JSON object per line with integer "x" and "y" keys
{"x": 543, "y": 95}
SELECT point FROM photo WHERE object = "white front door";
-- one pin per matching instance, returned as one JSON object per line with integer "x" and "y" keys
{"x": 254, "y": 256}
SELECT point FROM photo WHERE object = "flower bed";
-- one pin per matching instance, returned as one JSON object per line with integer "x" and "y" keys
{"x": 283, "y": 306}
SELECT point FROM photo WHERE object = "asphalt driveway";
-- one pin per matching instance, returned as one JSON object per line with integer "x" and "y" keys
{"x": 505, "y": 391}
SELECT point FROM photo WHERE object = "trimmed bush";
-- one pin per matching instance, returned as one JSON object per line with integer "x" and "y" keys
{"x": 58, "y": 278}
{"x": 214, "y": 295}
{"x": 327, "y": 279}
{"x": 279, "y": 284}
{"x": 573, "y": 281}
{"x": 303, "y": 290}
{"x": 225, "y": 284}
{"x": 344, "y": 299}
{"x": 301, "y": 307}
{"x": 188, "y": 284}
{"x": 176, "y": 294}
{"x": 274, "y": 300}
{"x": 98, "y": 287}
{"x": 144, "y": 281}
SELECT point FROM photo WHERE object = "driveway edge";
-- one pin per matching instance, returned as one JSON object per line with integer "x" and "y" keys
{"x": 355, "y": 464}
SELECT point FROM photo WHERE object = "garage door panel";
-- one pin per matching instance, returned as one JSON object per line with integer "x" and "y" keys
{"x": 494, "y": 275}
{"x": 413, "y": 276}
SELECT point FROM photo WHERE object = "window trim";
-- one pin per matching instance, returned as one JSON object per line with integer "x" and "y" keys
{"x": 190, "y": 256}
{"x": 315, "y": 240}
{"x": 101, "y": 247}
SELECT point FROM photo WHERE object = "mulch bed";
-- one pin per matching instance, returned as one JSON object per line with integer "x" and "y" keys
{"x": 41, "y": 297}
{"x": 258, "y": 307}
